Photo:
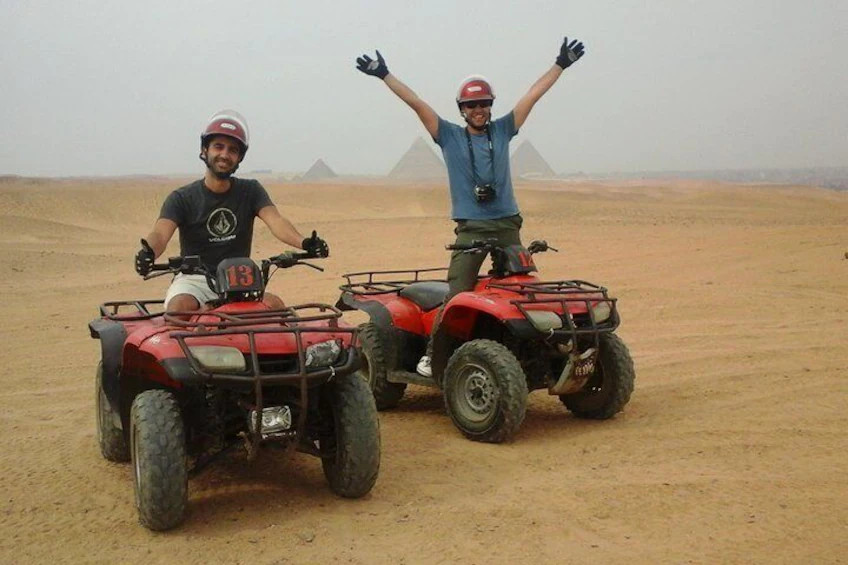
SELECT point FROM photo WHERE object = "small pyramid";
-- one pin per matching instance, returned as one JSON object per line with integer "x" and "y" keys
{"x": 318, "y": 171}
{"x": 526, "y": 162}
{"x": 420, "y": 162}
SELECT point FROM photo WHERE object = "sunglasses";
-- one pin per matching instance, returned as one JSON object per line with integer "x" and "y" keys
{"x": 477, "y": 104}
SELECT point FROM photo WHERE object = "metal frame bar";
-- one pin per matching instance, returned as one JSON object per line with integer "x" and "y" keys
{"x": 371, "y": 287}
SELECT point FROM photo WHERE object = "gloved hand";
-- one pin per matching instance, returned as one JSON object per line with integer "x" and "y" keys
{"x": 537, "y": 246}
{"x": 371, "y": 67}
{"x": 144, "y": 258}
{"x": 569, "y": 53}
{"x": 315, "y": 246}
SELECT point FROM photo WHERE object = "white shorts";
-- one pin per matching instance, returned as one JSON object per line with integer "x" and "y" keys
{"x": 195, "y": 285}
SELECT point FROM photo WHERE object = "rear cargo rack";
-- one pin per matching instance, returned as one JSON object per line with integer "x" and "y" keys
{"x": 372, "y": 282}
{"x": 111, "y": 310}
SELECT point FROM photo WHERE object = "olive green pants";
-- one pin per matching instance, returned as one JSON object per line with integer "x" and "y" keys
{"x": 464, "y": 267}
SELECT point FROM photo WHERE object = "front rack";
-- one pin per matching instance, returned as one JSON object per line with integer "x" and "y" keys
{"x": 563, "y": 293}
{"x": 551, "y": 287}
{"x": 288, "y": 315}
{"x": 272, "y": 322}
{"x": 397, "y": 282}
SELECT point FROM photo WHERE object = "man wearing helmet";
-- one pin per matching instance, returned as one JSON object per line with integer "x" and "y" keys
{"x": 477, "y": 158}
{"x": 215, "y": 216}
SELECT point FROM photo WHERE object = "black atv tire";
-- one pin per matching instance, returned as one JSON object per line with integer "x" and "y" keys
{"x": 375, "y": 366}
{"x": 353, "y": 460}
{"x": 609, "y": 389}
{"x": 160, "y": 471}
{"x": 485, "y": 391}
{"x": 113, "y": 443}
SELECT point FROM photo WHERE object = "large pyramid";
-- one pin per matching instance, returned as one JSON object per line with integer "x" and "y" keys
{"x": 419, "y": 163}
{"x": 527, "y": 163}
{"x": 318, "y": 171}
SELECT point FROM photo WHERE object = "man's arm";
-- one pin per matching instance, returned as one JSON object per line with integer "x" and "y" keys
{"x": 160, "y": 235}
{"x": 280, "y": 226}
{"x": 378, "y": 68}
{"x": 569, "y": 53}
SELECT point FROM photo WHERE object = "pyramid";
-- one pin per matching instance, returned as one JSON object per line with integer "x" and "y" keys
{"x": 419, "y": 163}
{"x": 318, "y": 171}
{"x": 527, "y": 163}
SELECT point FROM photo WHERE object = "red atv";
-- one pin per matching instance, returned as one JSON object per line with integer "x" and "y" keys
{"x": 513, "y": 333}
{"x": 174, "y": 388}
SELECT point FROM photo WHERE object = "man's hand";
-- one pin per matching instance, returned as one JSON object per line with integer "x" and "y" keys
{"x": 569, "y": 53}
{"x": 315, "y": 246}
{"x": 371, "y": 67}
{"x": 539, "y": 246}
{"x": 144, "y": 258}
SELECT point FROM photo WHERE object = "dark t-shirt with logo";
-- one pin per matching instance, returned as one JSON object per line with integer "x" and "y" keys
{"x": 215, "y": 226}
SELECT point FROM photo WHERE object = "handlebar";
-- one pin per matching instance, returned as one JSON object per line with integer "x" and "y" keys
{"x": 491, "y": 244}
{"x": 192, "y": 265}
{"x": 288, "y": 259}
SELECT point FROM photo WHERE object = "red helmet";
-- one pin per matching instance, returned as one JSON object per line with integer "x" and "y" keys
{"x": 474, "y": 87}
{"x": 229, "y": 123}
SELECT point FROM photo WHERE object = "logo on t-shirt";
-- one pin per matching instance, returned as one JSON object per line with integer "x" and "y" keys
{"x": 221, "y": 224}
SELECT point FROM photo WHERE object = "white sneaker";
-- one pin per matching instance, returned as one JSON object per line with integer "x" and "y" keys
{"x": 424, "y": 368}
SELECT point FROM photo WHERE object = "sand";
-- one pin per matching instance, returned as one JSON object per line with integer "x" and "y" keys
{"x": 734, "y": 302}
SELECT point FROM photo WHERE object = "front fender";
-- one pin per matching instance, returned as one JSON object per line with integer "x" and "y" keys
{"x": 112, "y": 336}
{"x": 462, "y": 311}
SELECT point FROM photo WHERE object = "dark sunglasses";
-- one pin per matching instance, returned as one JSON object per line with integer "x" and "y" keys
{"x": 477, "y": 104}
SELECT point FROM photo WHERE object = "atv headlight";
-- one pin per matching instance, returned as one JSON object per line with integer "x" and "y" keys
{"x": 544, "y": 321}
{"x": 217, "y": 358}
{"x": 601, "y": 311}
{"x": 323, "y": 354}
{"x": 275, "y": 419}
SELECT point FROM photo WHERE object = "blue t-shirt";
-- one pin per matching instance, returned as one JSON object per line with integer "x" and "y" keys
{"x": 464, "y": 205}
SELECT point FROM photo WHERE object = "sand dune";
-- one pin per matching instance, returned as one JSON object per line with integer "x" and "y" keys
{"x": 734, "y": 302}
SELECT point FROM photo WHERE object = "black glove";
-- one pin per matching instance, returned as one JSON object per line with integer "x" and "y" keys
{"x": 569, "y": 53}
{"x": 144, "y": 258}
{"x": 537, "y": 246}
{"x": 371, "y": 67}
{"x": 315, "y": 246}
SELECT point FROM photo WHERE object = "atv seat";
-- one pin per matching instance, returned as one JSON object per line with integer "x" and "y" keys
{"x": 426, "y": 294}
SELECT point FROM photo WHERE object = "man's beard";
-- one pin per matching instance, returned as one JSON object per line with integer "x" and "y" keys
{"x": 221, "y": 175}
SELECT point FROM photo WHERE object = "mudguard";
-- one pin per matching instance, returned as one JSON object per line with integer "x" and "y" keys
{"x": 398, "y": 312}
{"x": 377, "y": 311}
{"x": 112, "y": 336}
{"x": 461, "y": 311}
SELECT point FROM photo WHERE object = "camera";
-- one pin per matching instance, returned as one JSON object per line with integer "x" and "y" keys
{"x": 484, "y": 193}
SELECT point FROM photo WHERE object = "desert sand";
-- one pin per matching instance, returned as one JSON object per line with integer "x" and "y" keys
{"x": 734, "y": 303}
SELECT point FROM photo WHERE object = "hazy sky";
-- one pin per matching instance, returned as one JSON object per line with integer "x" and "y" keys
{"x": 98, "y": 88}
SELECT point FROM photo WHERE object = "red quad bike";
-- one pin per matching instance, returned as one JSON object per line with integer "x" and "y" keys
{"x": 178, "y": 388}
{"x": 513, "y": 333}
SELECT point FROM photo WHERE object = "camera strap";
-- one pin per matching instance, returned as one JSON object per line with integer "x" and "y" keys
{"x": 474, "y": 176}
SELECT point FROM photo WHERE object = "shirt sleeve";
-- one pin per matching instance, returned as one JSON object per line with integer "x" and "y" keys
{"x": 260, "y": 197}
{"x": 506, "y": 125}
{"x": 173, "y": 209}
{"x": 441, "y": 137}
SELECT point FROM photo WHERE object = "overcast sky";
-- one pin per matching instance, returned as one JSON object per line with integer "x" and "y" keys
{"x": 101, "y": 88}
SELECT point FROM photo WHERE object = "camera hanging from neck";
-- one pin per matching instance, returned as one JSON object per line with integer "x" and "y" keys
{"x": 483, "y": 192}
